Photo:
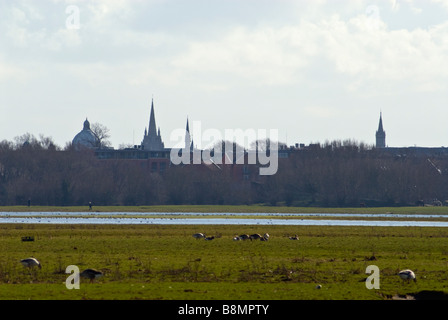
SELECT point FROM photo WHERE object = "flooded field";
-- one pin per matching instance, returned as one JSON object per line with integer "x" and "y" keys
{"x": 220, "y": 218}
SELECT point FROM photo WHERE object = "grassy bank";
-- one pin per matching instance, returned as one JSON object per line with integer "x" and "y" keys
{"x": 166, "y": 262}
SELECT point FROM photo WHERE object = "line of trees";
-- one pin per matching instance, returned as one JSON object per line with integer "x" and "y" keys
{"x": 331, "y": 174}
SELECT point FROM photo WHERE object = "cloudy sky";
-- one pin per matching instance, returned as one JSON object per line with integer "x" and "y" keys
{"x": 314, "y": 70}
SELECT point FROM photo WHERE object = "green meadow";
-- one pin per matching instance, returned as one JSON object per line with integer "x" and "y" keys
{"x": 166, "y": 262}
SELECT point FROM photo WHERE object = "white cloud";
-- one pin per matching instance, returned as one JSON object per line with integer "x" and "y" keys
{"x": 263, "y": 56}
{"x": 361, "y": 48}
{"x": 322, "y": 59}
{"x": 444, "y": 3}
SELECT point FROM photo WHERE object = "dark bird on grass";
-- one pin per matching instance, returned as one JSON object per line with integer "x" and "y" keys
{"x": 91, "y": 274}
{"x": 210, "y": 238}
{"x": 296, "y": 237}
{"x": 244, "y": 236}
{"x": 255, "y": 236}
{"x": 198, "y": 235}
{"x": 407, "y": 275}
{"x": 31, "y": 263}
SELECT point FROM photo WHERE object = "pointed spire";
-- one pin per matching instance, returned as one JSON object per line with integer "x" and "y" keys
{"x": 152, "y": 139}
{"x": 187, "y": 136}
{"x": 380, "y": 134}
{"x": 152, "y": 121}
{"x": 380, "y": 125}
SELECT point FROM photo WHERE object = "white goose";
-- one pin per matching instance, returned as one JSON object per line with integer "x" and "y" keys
{"x": 30, "y": 263}
{"x": 407, "y": 275}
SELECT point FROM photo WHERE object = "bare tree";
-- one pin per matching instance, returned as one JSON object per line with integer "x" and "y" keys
{"x": 102, "y": 134}
{"x": 266, "y": 145}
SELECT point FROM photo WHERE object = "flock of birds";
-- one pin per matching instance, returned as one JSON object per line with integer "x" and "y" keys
{"x": 255, "y": 236}
{"x": 90, "y": 274}
{"x": 406, "y": 275}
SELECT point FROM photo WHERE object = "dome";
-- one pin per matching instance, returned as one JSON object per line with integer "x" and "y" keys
{"x": 86, "y": 138}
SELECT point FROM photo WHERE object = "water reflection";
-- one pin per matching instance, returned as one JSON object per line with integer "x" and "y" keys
{"x": 230, "y": 214}
{"x": 224, "y": 219}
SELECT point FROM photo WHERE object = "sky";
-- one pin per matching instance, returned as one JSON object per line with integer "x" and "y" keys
{"x": 314, "y": 70}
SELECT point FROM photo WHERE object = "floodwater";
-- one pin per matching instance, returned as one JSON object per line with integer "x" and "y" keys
{"x": 190, "y": 218}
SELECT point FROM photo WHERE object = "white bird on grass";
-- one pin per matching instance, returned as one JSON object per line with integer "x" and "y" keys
{"x": 407, "y": 275}
{"x": 31, "y": 263}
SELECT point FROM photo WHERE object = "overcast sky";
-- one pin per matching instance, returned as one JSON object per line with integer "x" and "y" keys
{"x": 314, "y": 70}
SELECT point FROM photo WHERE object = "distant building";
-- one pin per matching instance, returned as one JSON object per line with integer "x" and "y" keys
{"x": 380, "y": 135}
{"x": 86, "y": 138}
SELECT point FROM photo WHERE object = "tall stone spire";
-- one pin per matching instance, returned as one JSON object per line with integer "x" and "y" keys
{"x": 152, "y": 140}
{"x": 152, "y": 131}
{"x": 187, "y": 136}
{"x": 380, "y": 134}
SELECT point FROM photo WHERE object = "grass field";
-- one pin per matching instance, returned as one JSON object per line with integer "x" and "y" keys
{"x": 166, "y": 262}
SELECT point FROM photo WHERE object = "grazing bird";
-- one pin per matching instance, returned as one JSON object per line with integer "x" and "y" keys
{"x": 266, "y": 236}
{"x": 407, "y": 275}
{"x": 236, "y": 238}
{"x": 30, "y": 263}
{"x": 198, "y": 235}
{"x": 209, "y": 238}
{"x": 244, "y": 236}
{"x": 255, "y": 236}
{"x": 296, "y": 237}
{"x": 91, "y": 274}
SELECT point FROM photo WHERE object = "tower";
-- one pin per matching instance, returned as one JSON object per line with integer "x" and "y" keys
{"x": 380, "y": 135}
{"x": 188, "y": 138}
{"x": 152, "y": 140}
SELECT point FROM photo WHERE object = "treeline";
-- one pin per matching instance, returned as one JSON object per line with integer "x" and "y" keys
{"x": 39, "y": 171}
{"x": 339, "y": 174}
{"x": 332, "y": 174}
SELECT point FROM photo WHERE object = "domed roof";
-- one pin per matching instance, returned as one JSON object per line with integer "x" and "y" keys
{"x": 85, "y": 138}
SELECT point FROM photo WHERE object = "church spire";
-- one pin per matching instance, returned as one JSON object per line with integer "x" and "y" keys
{"x": 152, "y": 131}
{"x": 380, "y": 134}
{"x": 380, "y": 126}
{"x": 152, "y": 139}
{"x": 187, "y": 136}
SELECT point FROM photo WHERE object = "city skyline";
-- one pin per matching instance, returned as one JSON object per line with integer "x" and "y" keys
{"x": 313, "y": 70}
